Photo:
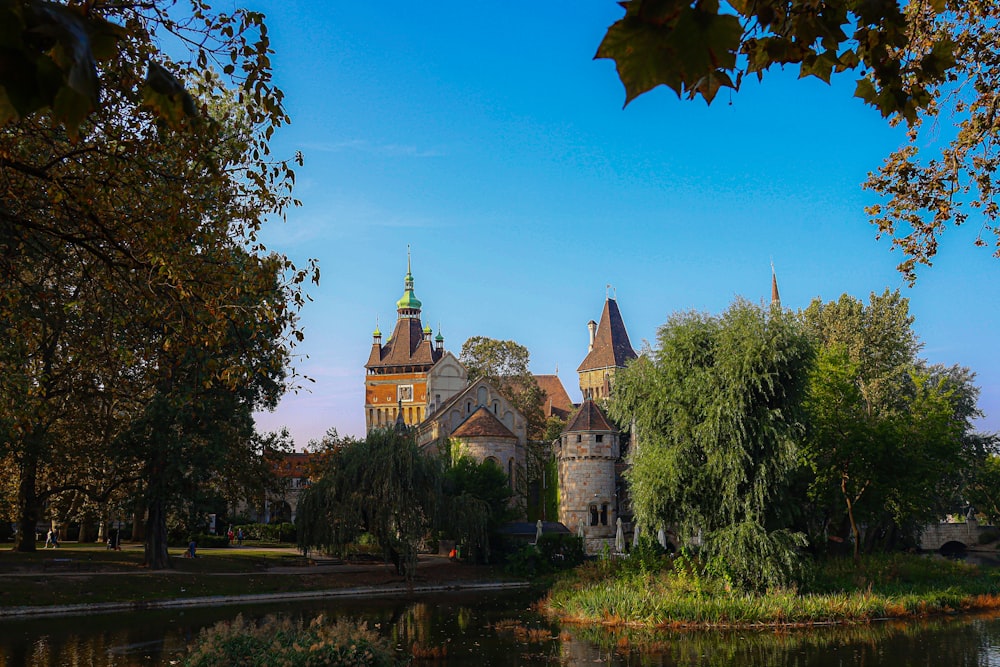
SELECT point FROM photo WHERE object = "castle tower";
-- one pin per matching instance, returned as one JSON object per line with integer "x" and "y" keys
{"x": 609, "y": 350}
{"x": 396, "y": 379}
{"x": 586, "y": 454}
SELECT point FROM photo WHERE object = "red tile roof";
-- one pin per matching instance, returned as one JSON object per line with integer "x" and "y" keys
{"x": 589, "y": 418}
{"x": 483, "y": 423}
{"x": 557, "y": 401}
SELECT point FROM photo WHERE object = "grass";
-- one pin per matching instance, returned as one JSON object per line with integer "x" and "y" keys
{"x": 891, "y": 586}
{"x": 96, "y": 575}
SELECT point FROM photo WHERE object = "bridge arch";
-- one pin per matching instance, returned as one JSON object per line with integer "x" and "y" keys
{"x": 953, "y": 547}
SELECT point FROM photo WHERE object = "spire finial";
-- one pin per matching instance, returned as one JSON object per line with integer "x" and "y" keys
{"x": 408, "y": 258}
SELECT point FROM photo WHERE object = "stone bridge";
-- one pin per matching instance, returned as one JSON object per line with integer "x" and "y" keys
{"x": 952, "y": 536}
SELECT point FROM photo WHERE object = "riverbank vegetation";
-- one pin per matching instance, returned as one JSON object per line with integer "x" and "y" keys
{"x": 686, "y": 592}
{"x": 276, "y": 641}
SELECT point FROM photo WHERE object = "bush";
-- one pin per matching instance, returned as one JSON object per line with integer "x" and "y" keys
{"x": 268, "y": 532}
{"x": 554, "y": 552}
{"x": 283, "y": 642}
{"x": 207, "y": 541}
{"x": 647, "y": 557}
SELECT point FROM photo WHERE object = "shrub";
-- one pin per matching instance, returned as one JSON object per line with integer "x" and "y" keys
{"x": 208, "y": 541}
{"x": 554, "y": 552}
{"x": 276, "y": 641}
{"x": 268, "y": 532}
{"x": 647, "y": 557}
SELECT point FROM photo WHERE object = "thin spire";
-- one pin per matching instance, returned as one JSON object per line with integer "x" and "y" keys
{"x": 775, "y": 297}
{"x": 408, "y": 258}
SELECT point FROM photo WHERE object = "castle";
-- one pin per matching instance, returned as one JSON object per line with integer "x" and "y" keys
{"x": 411, "y": 380}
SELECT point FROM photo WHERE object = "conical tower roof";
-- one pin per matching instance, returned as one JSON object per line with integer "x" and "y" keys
{"x": 612, "y": 347}
{"x": 589, "y": 418}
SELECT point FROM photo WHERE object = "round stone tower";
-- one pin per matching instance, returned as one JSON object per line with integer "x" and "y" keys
{"x": 586, "y": 453}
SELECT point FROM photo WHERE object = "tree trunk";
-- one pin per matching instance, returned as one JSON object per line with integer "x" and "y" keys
{"x": 157, "y": 557}
{"x": 27, "y": 506}
{"x": 139, "y": 522}
{"x": 850, "y": 516}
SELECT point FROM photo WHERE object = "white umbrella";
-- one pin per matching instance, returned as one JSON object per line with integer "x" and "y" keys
{"x": 538, "y": 531}
{"x": 619, "y": 537}
{"x": 635, "y": 536}
{"x": 661, "y": 537}
{"x": 579, "y": 530}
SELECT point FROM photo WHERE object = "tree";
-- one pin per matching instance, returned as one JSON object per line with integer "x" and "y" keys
{"x": 917, "y": 60}
{"x": 717, "y": 414}
{"x": 470, "y": 487}
{"x": 889, "y": 440}
{"x": 983, "y": 492}
{"x": 384, "y": 486}
{"x": 504, "y": 364}
{"x": 137, "y": 219}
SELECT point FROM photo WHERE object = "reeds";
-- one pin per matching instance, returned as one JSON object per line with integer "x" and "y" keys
{"x": 897, "y": 586}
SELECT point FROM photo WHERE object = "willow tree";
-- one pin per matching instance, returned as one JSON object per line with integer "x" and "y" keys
{"x": 384, "y": 486}
{"x": 387, "y": 487}
{"x": 717, "y": 414}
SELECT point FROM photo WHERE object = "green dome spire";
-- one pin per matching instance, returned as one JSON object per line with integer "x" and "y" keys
{"x": 409, "y": 301}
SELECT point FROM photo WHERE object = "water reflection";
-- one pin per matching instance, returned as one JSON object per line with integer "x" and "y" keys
{"x": 500, "y": 629}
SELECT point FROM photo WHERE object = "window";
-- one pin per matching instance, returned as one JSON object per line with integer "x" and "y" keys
{"x": 600, "y": 438}
{"x": 604, "y": 514}
{"x": 510, "y": 473}
{"x": 593, "y": 515}
{"x": 579, "y": 438}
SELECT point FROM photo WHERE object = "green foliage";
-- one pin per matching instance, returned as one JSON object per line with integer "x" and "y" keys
{"x": 696, "y": 593}
{"x": 889, "y": 443}
{"x": 276, "y": 641}
{"x": 646, "y": 557}
{"x": 692, "y": 48}
{"x": 983, "y": 491}
{"x": 477, "y": 497}
{"x": 554, "y": 552}
{"x": 203, "y": 541}
{"x": 383, "y": 485}
{"x": 268, "y": 532}
{"x": 505, "y": 365}
{"x": 132, "y": 276}
{"x": 717, "y": 415}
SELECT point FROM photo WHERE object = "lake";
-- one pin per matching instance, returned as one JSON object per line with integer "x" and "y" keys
{"x": 499, "y": 628}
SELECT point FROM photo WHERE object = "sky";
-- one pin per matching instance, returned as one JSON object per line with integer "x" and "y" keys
{"x": 484, "y": 136}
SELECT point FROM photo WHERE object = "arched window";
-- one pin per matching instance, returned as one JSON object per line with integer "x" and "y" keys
{"x": 593, "y": 515}
{"x": 604, "y": 514}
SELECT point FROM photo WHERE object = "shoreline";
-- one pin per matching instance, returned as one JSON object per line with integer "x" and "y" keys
{"x": 10, "y": 613}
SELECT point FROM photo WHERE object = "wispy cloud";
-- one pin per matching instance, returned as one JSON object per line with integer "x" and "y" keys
{"x": 365, "y": 146}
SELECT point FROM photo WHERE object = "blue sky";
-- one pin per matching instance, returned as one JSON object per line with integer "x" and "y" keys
{"x": 486, "y": 137}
